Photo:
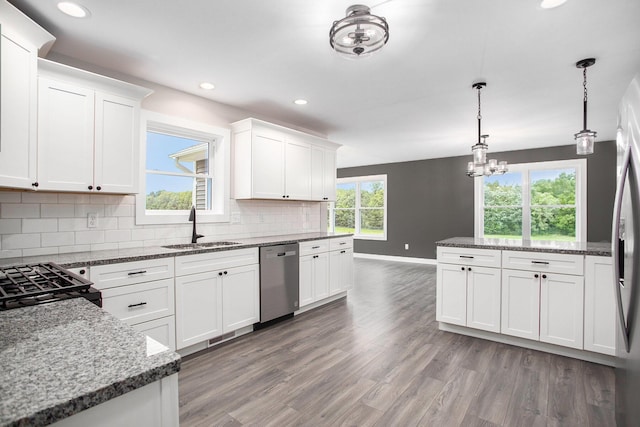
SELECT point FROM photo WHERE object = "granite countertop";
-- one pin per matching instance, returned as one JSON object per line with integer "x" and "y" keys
{"x": 578, "y": 248}
{"x": 64, "y": 357}
{"x": 85, "y": 259}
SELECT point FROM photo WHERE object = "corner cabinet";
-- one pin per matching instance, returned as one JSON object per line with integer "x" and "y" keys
{"x": 88, "y": 131}
{"x": 21, "y": 40}
{"x": 273, "y": 162}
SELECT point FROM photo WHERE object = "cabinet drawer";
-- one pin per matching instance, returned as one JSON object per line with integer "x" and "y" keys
{"x": 469, "y": 256}
{"x": 341, "y": 243}
{"x": 543, "y": 262}
{"x": 200, "y": 263}
{"x": 141, "y": 302}
{"x": 128, "y": 273}
{"x": 314, "y": 247}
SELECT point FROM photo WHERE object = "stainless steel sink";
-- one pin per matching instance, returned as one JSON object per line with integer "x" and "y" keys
{"x": 200, "y": 245}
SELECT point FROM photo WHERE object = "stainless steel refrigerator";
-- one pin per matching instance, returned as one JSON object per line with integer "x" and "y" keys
{"x": 626, "y": 258}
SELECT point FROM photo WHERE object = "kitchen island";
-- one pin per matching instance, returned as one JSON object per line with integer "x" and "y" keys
{"x": 73, "y": 363}
{"x": 550, "y": 296}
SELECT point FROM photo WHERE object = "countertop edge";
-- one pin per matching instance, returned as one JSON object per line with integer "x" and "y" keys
{"x": 592, "y": 252}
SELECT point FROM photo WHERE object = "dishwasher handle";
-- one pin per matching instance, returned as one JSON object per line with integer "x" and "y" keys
{"x": 281, "y": 254}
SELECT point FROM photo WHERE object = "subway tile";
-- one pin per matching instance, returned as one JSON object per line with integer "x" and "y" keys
{"x": 104, "y": 246}
{"x": 10, "y": 226}
{"x": 74, "y": 198}
{"x": 64, "y": 238}
{"x": 118, "y": 210}
{"x": 81, "y": 211}
{"x": 130, "y": 244}
{"x": 89, "y": 237}
{"x": 19, "y": 210}
{"x": 117, "y": 235}
{"x": 39, "y": 225}
{"x": 39, "y": 251}
{"x": 126, "y": 222}
{"x": 72, "y": 224}
{"x": 74, "y": 248}
{"x": 107, "y": 223}
{"x": 143, "y": 234}
{"x": 10, "y": 197}
{"x": 13, "y": 253}
{"x": 66, "y": 210}
{"x": 36, "y": 197}
{"x": 20, "y": 241}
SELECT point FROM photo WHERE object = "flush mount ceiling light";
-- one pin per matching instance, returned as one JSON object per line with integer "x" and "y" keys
{"x": 300, "y": 102}
{"x": 73, "y": 9}
{"x": 550, "y": 4}
{"x": 358, "y": 34}
{"x": 479, "y": 166}
{"x": 207, "y": 86}
{"x": 585, "y": 138}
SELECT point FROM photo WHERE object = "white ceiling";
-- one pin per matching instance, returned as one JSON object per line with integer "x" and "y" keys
{"x": 412, "y": 100}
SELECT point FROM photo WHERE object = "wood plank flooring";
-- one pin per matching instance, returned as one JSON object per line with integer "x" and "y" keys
{"x": 377, "y": 358}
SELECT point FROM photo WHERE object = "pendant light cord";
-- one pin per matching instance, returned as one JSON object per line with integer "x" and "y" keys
{"x": 480, "y": 115}
{"x": 584, "y": 101}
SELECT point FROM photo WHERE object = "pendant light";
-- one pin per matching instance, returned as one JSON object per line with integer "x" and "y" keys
{"x": 479, "y": 166}
{"x": 585, "y": 138}
{"x": 358, "y": 34}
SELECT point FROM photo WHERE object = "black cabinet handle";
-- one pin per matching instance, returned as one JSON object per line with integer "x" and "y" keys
{"x": 469, "y": 268}
{"x": 35, "y": 184}
{"x": 315, "y": 247}
{"x": 90, "y": 187}
{"x": 540, "y": 262}
{"x": 536, "y": 276}
{"x": 466, "y": 256}
{"x": 462, "y": 268}
{"x": 98, "y": 188}
{"x": 225, "y": 272}
{"x": 287, "y": 196}
{"x": 315, "y": 256}
{"x": 133, "y": 273}
{"x": 137, "y": 305}
{"x": 544, "y": 276}
{"x": 82, "y": 271}
{"x": 343, "y": 252}
{"x": 343, "y": 243}
{"x": 284, "y": 197}
{"x": 220, "y": 274}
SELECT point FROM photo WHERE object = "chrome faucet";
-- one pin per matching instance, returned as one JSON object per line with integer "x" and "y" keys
{"x": 192, "y": 217}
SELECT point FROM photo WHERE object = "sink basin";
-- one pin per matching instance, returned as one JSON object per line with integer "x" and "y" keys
{"x": 200, "y": 245}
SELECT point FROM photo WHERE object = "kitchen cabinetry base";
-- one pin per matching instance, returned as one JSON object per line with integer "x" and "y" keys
{"x": 207, "y": 344}
{"x": 534, "y": 345}
{"x": 322, "y": 302}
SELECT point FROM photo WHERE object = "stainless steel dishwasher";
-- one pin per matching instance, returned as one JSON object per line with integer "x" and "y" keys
{"x": 279, "y": 266}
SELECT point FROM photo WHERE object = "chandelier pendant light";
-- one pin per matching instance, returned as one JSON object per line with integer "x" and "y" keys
{"x": 358, "y": 34}
{"x": 585, "y": 138}
{"x": 480, "y": 166}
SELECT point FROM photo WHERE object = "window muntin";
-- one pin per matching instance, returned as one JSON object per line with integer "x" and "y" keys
{"x": 360, "y": 207}
{"x": 186, "y": 164}
{"x": 534, "y": 201}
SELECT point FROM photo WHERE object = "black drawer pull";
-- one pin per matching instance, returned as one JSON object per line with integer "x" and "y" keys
{"x": 133, "y": 273}
{"x": 343, "y": 243}
{"x": 137, "y": 305}
{"x": 282, "y": 253}
{"x": 315, "y": 247}
{"x": 466, "y": 256}
{"x": 540, "y": 262}
{"x": 343, "y": 252}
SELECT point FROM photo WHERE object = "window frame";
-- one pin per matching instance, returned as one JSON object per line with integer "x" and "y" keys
{"x": 580, "y": 165}
{"x": 219, "y": 170}
{"x": 357, "y": 180}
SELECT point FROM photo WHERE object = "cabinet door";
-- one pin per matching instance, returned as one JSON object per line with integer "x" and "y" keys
{"x": 562, "y": 309}
{"x": 317, "y": 173}
{"x": 116, "y": 144}
{"x": 329, "y": 175}
{"x": 198, "y": 308}
{"x": 65, "y": 136}
{"x": 240, "y": 297}
{"x": 341, "y": 264}
{"x": 520, "y": 304}
{"x": 451, "y": 294}
{"x": 599, "y": 306}
{"x": 306, "y": 280}
{"x": 483, "y": 298}
{"x": 267, "y": 155}
{"x": 321, "y": 276}
{"x": 18, "y": 110}
{"x": 162, "y": 330}
{"x": 297, "y": 170}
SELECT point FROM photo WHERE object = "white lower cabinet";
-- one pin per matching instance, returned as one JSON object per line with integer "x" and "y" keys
{"x": 221, "y": 300}
{"x": 162, "y": 330}
{"x": 468, "y": 296}
{"x": 520, "y": 304}
{"x": 314, "y": 278}
{"x": 341, "y": 271}
{"x": 599, "y": 306}
{"x": 562, "y": 309}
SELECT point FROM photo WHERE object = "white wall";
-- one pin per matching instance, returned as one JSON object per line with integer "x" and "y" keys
{"x": 38, "y": 223}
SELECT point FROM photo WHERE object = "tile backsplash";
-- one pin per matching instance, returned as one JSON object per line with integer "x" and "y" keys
{"x": 36, "y": 223}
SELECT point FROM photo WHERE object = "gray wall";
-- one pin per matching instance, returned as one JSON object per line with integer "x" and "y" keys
{"x": 431, "y": 200}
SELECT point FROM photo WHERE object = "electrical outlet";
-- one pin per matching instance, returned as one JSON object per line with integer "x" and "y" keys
{"x": 92, "y": 220}
{"x": 406, "y": 246}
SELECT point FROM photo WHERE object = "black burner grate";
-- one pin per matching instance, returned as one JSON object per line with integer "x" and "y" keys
{"x": 37, "y": 283}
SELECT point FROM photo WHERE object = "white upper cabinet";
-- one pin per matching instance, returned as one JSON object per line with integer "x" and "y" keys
{"x": 273, "y": 162}
{"x": 88, "y": 131}
{"x": 20, "y": 43}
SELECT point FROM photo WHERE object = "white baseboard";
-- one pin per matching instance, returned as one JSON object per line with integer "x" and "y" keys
{"x": 396, "y": 258}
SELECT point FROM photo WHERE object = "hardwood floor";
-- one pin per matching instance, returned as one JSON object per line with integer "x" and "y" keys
{"x": 377, "y": 358}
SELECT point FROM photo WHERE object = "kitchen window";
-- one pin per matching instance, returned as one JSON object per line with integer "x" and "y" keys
{"x": 360, "y": 207}
{"x": 534, "y": 201}
{"x": 185, "y": 164}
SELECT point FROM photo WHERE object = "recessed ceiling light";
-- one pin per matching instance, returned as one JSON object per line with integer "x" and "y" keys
{"x": 73, "y": 9}
{"x": 300, "y": 102}
{"x": 550, "y": 4}
{"x": 207, "y": 86}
